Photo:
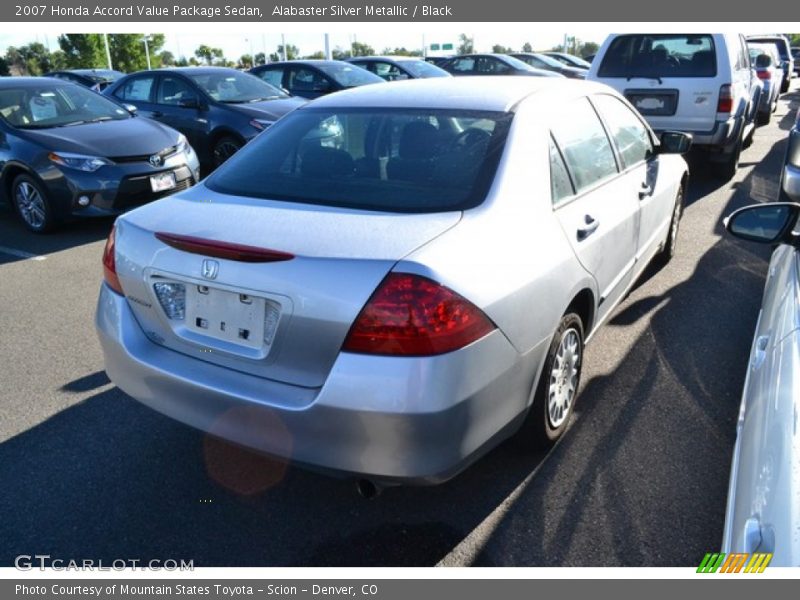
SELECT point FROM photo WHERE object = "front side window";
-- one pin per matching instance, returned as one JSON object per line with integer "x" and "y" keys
{"x": 307, "y": 80}
{"x": 629, "y": 134}
{"x": 387, "y": 71}
{"x": 491, "y": 66}
{"x": 396, "y": 160}
{"x": 463, "y": 65}
{"x": 272, "y": 77}
{"x": 660, "y": 55}
{"x": 585, "y": 145}
{"x": 232, "y": 87}
{"x": 174, "y": 91}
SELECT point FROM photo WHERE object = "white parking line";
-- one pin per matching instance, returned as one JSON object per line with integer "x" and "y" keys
{"x": 21, "y": 253}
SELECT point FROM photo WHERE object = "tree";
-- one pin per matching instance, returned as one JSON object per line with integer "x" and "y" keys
{"x": 340, "y": 54}
{"x": 4, "y": 68}
{"x": 360, "y": 49}
{"x": 83, "y": 50}
{"x": 182, "y": 62}
{"x": 526, "y": 47}
{"x": 167, "y": 58}
{"x": 589, "y": 49}
{"x": 466, "y": 44}
{"x": 31, "y": 59}
{"x": 498, "y": 49}
{"x": 401, "y": 52}
{"x": 246, "y": 61}
{"x": 319, "y": 54}
{"x": 208, "y": 54}
{"x": 128, "y": 53}
{"x": 260, "y": 58}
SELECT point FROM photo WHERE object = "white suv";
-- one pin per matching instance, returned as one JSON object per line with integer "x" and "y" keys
{"x": 701, "y": 84}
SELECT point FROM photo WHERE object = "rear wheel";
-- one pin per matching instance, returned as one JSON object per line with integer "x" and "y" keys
{"x": 763, "y": 118}
{"x": 32, "y": 205}
{"x": 554, "y": 401}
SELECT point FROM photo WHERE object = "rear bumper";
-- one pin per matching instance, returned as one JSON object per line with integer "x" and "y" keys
{"x": 394, "y": 420}
{"x": 723, "y": 134}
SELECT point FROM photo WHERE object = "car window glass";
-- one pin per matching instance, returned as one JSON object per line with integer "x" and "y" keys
{"x": 307, "y": 80}
{"x": 660, "y": 55}
{"x": 629, "y": 134}
{"x": 463, "y": 65}
{"x": 491, "y": 66}
{"x": 272, "y": 76}
{"x": 586, "y": 148}
{"x": 136, "y": 89}
{"x": 387, "y": 71}
{"x": 174, "y": 91}
{"x": 400, "y": 160}
{"x": 560, "y": 184}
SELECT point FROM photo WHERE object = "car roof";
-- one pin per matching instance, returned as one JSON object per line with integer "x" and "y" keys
{"x": 466, "y": 93}
{"x": 32, "y": 82}
{"x": 389, "y": 58}
{"x": 309, "y": 61}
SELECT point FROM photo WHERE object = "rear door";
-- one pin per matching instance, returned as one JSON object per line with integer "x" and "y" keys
{"x": 673, "y": 80}
{"x": 593, "y": 203}
{"x": 139, "y": 91}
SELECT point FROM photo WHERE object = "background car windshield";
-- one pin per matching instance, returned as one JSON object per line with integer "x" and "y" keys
{"x": 660, "y": 55}
{"x": 542, "y": 61}
{"x": 233, "y": 87}
{"x": 373, "y": 159}
{"x": 420, "y": 68}
{"x": 348, "y": 75}
{"x": 56, "y": 106}
{"x": 516, "y": 63}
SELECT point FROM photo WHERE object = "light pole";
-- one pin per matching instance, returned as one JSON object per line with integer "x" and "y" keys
{"x": 108, "y": 52}
{"x": 147, "y": 50}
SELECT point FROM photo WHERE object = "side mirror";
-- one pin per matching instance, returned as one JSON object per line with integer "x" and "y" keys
{"x": 131, "y": 108}
{"x": 766, "y": 223}
{"x": 763, "y": 61}
{"x": 675, "y": 142}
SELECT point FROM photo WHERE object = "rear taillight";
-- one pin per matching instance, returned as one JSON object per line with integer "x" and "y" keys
{"x": 764, "y": 75}
{"x": 409, "y": 315}
{"x": 725, "y": 103}
{"x": 110, "y": 264}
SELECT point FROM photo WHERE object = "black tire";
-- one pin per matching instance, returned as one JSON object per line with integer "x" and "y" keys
{"x": 32, "y": 205}
{"x": 671, "y": 243}
{"x": 784, "y": 86}
{"x": 224, "y": 148}
{"x": 539, "y": 429}
{"x": 726, "y": 169}
{"x": 763, "y": 118}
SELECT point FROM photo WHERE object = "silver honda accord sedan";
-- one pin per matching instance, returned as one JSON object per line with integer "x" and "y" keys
{"x": 392, "y": 279}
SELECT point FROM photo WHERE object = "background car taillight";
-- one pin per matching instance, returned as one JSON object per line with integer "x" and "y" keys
{"x": 725, "y": 103}
{"x": 409, "y": 315}
{"x": 764, "y": 75}
{"x": 110, "y": 265}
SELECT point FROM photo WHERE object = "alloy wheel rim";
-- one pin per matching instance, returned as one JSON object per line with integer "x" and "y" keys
{"x": 564, "y": 378}
{"x": 30, "y": 204}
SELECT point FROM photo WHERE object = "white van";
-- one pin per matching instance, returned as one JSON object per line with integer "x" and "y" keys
{"x": 698, "y": 83}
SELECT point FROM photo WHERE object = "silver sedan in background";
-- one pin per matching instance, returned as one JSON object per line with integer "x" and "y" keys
{"x": 392, "y": 279}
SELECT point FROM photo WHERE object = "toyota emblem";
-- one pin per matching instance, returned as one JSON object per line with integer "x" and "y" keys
{"x": 156, "y": 160}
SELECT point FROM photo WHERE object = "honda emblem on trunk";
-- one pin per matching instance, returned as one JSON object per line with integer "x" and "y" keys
{"x": 210, "y": 269}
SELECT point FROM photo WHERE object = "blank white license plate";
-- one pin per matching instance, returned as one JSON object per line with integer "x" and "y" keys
{"x": 163, "y": 181}
{"x": 235, "y": 318}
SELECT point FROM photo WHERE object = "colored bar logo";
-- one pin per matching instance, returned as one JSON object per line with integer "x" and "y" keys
{"x": 734, "y": 563}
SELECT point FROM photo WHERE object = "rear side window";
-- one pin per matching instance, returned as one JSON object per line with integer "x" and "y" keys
{"x": 660, "y": 55}
{"x": 396, "y": 160}
{"x": 272, "y": 76}
{"x": 585, "y": 145}
{"x": 626, "y": 129}
{"x": 137, "y": 89}
{"x": 780, "y": 44}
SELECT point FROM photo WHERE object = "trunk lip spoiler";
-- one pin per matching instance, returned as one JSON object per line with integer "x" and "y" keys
{"x": 221, "y": 249}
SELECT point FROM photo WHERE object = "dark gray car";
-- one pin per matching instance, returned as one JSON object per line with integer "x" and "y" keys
{"x": 398, "y": 68}
{"x": 314, "y": 78}
{"x": 67, "y": 151}
{"x": 218, "y": 109}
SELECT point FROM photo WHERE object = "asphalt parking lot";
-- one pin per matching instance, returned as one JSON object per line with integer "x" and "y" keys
{"x": 640, "y": 480}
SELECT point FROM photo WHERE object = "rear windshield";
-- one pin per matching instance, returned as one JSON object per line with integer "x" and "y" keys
{"x": 779, "y": 43}
{"x": 395, "y": 160}
{"x": 660, "y": 55}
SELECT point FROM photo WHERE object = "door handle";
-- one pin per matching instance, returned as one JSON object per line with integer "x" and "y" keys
{"x": 591, "y": 226}
{"x": 645, "y": 191}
